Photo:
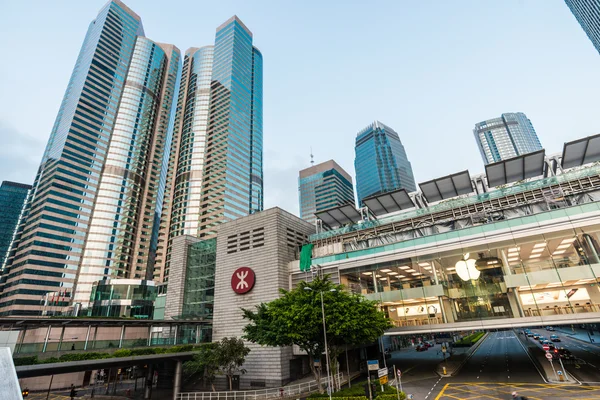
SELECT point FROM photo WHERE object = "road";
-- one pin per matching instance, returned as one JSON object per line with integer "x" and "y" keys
{"x": 587, "y": 367}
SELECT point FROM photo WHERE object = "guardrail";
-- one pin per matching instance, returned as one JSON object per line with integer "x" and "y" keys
{"x": 283, "y": 392}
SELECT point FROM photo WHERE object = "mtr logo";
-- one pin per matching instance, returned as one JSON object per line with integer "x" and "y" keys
{"x": 242, "y": 280}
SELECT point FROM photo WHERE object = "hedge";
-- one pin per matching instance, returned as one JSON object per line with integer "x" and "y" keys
{"x": 357, "y": 390}
{"x": 469, "y": 340}
{"x": 391, "y": 396}
{"x": 33, "y": 360}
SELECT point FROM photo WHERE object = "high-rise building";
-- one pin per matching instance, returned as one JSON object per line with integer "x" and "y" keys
{"x": 95, "y": 202}
{"x": 587, "y": 13}
{"x": 323, "y": 186}
{"x": 502, "y": 138}
{"x": 381, "y": 164}
{"x": 12, "y": 200}
{"x": 215, "y": 166}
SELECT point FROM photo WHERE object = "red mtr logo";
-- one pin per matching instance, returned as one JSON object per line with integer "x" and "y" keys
{"x": 242, "y": 280}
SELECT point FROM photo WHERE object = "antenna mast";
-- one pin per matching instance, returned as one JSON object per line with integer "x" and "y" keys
{"x": 312, "y": 158}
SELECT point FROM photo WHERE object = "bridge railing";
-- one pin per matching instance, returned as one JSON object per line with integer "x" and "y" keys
{"x": 284, "y": 392}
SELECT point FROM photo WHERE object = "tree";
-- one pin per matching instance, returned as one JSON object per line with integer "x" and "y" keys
{"x": 203, "y": 364}
{"x": 296, "y": 319}
{"x": 229, "y": 356}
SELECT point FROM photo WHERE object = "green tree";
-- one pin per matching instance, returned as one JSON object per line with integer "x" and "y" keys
{"x": 203, "y": 365}
{"x": 229, "y": 356}
{"x": 296, "y": 319}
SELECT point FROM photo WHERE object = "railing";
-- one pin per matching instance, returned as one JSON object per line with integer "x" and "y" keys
{"x": 292, "y": 391}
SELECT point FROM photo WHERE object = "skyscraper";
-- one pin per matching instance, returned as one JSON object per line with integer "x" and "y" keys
{"x": 587, "y": 13}
{"x": 381, "y": 164}
{"x": 323, "y": 186}
{"x": 12, "y": 200}
{"x": 94, "y": 210}
{"x": 502, "y": 138}
{"x": 215, "y": 167}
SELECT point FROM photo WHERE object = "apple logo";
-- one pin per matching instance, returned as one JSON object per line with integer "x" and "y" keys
{"x": 466, "y": 269}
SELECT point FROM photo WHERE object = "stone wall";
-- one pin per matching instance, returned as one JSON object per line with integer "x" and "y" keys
{"x": 265, "y": 242}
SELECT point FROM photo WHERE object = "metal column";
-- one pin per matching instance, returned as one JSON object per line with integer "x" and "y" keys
{"x": 122, "y": 335}
{"x": 95, "y": 335}
{"x": 46, "y": 339}
{"x": 62, "y": 335}
{"x": 150, "y": 335}
{"x": 23, "y": 333}
{"x": 175, "y": 337}
{"x": 148, "y": 391}
{"x": 87, "y": 337}
{"x": 177, "y": 380}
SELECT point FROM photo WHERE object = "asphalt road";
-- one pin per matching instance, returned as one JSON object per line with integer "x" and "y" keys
{"x": 587, "y": 367}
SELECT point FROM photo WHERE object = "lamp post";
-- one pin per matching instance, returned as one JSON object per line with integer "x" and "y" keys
{"x": 329, "y": 381}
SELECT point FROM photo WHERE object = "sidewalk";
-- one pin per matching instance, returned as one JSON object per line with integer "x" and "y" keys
{"x": 580, "y": 334}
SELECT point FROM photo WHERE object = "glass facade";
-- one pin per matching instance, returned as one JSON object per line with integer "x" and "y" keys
{"x": 502, "y": 138}
{"x": 199, "y": 291}
{"x": 587, "y": 13}
{"x": 92, "y": 210}
{"x": 323, "y": 186}
{"x": 215, "y": 166}
{"x": 130, "y": 298}
{"x": 12, "y": 200}
{"x": 381, "y": 164}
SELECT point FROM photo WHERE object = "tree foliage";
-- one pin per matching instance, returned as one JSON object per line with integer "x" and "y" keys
{"x": 296, "y": 319}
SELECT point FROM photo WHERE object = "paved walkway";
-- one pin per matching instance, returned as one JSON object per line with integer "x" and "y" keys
{"x": 501, "y": 391}
{"x": 580, "y": 334}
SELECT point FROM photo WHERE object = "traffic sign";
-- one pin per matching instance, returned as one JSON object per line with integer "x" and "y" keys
{"x": 399, "y": 373}
{"x": 373, "y": 365}
{"x": 546, "y": 347}
{"x": 549, "y": 356}
{"x": 382, "y": 372}
{"x": 559, "y": 373}
{"x": 383, "y": 380}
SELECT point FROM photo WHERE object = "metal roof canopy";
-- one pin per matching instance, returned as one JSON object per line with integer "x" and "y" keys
{"x": 389, "y": 202}
{"x": 447, "y": 187}
{"x": 339, "y": 216}
{"x": 581, "y": 151}
{"x": 516, "y": 168}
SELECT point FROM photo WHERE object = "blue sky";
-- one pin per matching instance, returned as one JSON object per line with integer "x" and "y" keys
{"x": 429, "y": 69}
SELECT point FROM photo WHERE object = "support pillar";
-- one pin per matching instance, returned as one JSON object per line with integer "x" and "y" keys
{"x": 198, "y": 328}
{"x": 23, "y": 333}
{"x": 87, "y": 337}
{"x": 148, "y": 391}
{"x": 150, "y": 336}
{"x": 175, "y": 337}
{"x": 515, "y": 304}
{"x": 95, "y": 335}
{"x": 122, "y": 335}
{"x": 177, "y": 380}
{"x": 46, "y": 339}
{"x": 62, "y": 335}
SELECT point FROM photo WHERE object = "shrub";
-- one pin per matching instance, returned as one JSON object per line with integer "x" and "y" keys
{"x": 122, "y": 353}
{"x": 31, "y": 360}
{"x": 391, "y": 396}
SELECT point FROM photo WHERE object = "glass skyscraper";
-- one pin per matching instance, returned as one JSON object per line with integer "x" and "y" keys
{"x": 215, "y": 166}
{"x": 587, "y": 13}
{"x": 12, "y": 200}
{"x": 502, "y": 138}
{"x": 323, "y": 186}
{"x": 94, "y": 209}
{"x": 381, "y": 164}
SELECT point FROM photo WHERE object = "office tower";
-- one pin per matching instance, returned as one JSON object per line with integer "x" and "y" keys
{"x": 93, "y": 209}
{"x": 323, "y": 186}
{"x": 215, "y": 166}
{"x": 12, "y": 200}
{"x": 587, "y": 13}
{"x": 381, "y": 164}
{"x": 502, "y": 138}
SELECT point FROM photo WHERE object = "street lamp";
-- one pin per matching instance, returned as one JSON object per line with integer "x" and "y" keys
{"x": 329, "y": 382}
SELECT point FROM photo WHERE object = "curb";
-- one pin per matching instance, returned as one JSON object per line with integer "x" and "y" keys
{"x": 470, "y": 352}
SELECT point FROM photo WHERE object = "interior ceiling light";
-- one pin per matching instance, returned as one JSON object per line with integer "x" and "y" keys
{"x": 466, "y": 269}
{"x": 404, "y": 267}
{"x": 450, "y": 269}
{"x": 539, "y": 245}
{"x": 539, "y": 250}
{"x": 568, "y": 240}
{"x": 493, "y": 262}
{"x": 564, "y": 246}
{"x": 514, "y": 250}
{"x": 392, "y": 273}
{"x": 410, "y": 270}
{"x": 416, "y": 273}
{"x": 385, "y": 270}
{"x": 401, "y": 276}
{"x": 383, "y": 279}
{"x": 513, "y": 259}
{"x": 424, "y": 264}
{"x": 367, "y": 273}
{"x": 377, "y": 276}
{"x": 535, "y": 255}
{"x": 559, "y": 252}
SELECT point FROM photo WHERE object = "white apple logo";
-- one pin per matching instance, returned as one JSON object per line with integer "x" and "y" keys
{"x": 466, "y": 269}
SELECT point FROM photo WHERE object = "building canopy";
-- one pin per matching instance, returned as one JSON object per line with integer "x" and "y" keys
{"x": 447, "y": 187}
{"x": 339, "y": 216}
{"x": 389, "y": 202}
{"x": 515, "y": 169}
{"x": 581, "y": 151}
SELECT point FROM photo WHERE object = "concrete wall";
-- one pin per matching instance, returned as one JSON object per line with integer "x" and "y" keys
{"x": 265, "y": 242}
{"x": 177, "y": 270}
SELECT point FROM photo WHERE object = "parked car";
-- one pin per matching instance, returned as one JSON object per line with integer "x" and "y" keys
{"x": 549, "y": 328}
{"x": 429, "y": 343}
{"x": 554, "y": 338}
{"x": 565, "y": 354}
{"x": 422, "y": 347}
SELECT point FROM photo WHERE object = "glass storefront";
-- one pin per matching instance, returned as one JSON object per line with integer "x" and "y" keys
{"x": 130, "y": 298}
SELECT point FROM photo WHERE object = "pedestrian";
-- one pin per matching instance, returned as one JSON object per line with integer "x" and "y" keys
{"x": 73, "y": 347}
{"x": 73, "y": 392}
{"x": 516, "y": 396}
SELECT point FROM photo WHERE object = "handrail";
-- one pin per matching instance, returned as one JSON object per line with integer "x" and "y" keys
{"x": 273, "y": 393}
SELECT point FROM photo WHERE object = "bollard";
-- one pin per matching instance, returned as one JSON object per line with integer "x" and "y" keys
{"x": 444, "y": 369}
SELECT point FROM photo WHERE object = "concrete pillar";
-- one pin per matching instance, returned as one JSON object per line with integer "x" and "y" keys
{"x": 518, "y": 300}
{"x": 517, "y": 310}
{"x": 87, "y": 337}
{"x": 148, "y": 390}
{"x": 448, "y": 310}
{"x": 95, "y": 335}
{"x": 175, "y": 337}
{"x": 62, "y": 335}
{"x": 177, "y": 380}
{"x": 46, "y": 339}
{"x": 441, "y": 301}
{"x": 122, "y": 335}
{"x": 150, "y": 335}
{"x": 23, "y": 333}
{"x": 594, "y": 293}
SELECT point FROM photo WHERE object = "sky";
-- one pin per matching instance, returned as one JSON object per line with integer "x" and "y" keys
{"x": 429, "y": 69}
